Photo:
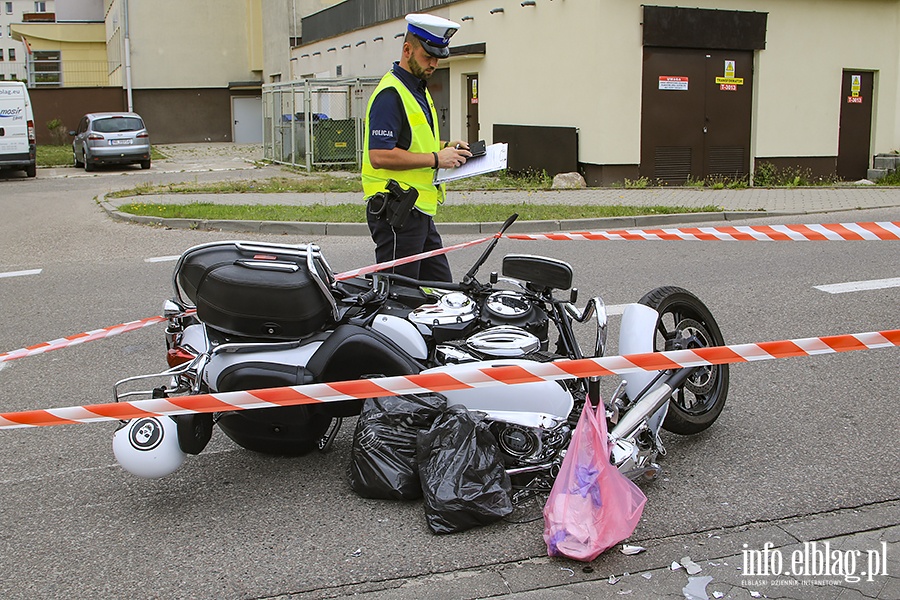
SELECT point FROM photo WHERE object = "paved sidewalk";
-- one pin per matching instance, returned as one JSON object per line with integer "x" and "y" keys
{"x": 862, "y": 563}
{"x": 735, "y": 204}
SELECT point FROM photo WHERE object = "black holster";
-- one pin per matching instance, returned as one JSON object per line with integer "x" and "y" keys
{"x": 394, "y": 204}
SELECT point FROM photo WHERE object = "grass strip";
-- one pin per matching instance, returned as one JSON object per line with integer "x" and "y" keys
{"x": 355, "y": 213}
{"x": 49, "y": 155}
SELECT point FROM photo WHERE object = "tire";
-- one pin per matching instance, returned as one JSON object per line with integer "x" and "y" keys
{"x": 88, "y": 167}
{"x": 31, "y": 171}
{"x": 685, "y": 322}
{"x": 145, "y": 164}
{"x": 78, "y": 163}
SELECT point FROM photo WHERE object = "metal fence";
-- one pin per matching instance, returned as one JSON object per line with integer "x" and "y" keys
{"x": 316, "y": 123}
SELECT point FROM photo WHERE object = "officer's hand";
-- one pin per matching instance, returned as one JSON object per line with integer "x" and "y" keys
{"x": 453, "y": 155}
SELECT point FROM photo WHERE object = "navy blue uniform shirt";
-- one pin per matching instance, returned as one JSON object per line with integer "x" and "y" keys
{"x": 388, "y": 125}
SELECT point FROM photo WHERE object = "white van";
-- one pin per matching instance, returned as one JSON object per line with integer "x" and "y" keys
{"x": 17, "y": 145}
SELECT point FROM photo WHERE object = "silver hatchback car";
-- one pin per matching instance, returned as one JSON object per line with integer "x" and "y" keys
{"x": 110, "y": 138}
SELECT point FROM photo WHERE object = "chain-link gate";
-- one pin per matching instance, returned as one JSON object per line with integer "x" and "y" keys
{"x": 316, "y": 123}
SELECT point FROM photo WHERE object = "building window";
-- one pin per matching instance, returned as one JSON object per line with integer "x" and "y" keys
{"x": 40, "y": 7}
{"x": 12, "y": 54}
{"x": 46, "y": 67}
{"x": 1, "y": 54}
{"x": 9, "y": 8}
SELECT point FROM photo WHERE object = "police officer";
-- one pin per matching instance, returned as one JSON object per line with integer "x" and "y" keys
{"x": 403, "y": 143}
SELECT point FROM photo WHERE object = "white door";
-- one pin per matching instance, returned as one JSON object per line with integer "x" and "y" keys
{"x": 247, "y": 118}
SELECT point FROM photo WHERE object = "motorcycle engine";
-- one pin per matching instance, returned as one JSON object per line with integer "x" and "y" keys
{"x": 452, "y": 317}
{"x": 514, "y": 309}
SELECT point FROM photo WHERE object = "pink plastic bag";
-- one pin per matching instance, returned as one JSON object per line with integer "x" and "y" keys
{"x": 592, "y": 507}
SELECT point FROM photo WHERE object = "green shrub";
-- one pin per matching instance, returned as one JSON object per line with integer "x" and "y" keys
{"x": 58, "y": 132}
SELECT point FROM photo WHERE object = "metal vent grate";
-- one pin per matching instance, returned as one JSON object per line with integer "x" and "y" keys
{"x": 672, "y": 163}
{"x": 727, "y": 161}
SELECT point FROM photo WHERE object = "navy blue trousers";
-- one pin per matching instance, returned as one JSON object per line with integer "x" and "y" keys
{"x": 418, "y": 235}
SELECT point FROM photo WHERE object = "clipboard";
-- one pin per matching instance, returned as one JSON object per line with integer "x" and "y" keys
{"x": 494, "y": 159}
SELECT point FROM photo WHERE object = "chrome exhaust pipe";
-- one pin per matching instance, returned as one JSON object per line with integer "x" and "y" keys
{"x": 648, "y": 405}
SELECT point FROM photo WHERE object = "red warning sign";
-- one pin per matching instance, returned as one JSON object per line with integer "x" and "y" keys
{"x": 672, "y": 82}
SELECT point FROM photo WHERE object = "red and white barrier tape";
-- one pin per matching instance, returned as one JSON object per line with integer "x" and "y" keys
{"x": 877, "y": 231}
{"x": 408, "y": 259}
{"x": 461, "y": 378}
{"x": 79, "y": 338}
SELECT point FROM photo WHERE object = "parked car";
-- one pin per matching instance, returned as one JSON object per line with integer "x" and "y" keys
{"x": 17, "y": 142}
{"x": 110, "y": 138}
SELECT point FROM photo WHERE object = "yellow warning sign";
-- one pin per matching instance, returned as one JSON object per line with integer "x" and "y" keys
{"x": 855, "y": 85}
{"x": 729, "y": 69}
{"x": 730, "y": 80}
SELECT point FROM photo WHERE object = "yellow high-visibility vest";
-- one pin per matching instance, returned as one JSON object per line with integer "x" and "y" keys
{"x": 425, "y": 139}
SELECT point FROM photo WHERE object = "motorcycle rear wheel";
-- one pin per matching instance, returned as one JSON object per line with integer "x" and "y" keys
{"x": 685, "y": 322}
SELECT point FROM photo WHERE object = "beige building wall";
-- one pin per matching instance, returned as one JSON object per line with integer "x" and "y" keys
{"x": 282, "y": 21}
{"x": 204, "y": 45}
{"x": 81, "y": 46}
{"x": 579, "y": 63}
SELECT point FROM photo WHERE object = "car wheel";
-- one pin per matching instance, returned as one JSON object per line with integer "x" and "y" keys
{"x": 145, "y": 164}
{"x": 78, "y": 163}
{"x": 87, "y": 165}
{"x": 31, "y": 170}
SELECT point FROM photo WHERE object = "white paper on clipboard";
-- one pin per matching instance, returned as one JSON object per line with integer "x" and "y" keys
{"x": 494, "y": 159}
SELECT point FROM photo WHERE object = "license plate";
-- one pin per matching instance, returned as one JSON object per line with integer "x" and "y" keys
{"x": 120, "y": 142}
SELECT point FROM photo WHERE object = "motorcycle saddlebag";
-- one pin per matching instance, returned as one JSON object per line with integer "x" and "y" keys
{"x": 269, "y": 291}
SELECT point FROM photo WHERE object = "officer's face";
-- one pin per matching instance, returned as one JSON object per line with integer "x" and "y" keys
{"x": 421, "y": 64}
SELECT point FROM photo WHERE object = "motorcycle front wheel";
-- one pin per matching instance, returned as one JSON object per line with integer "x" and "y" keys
{"x": 685, "y": 322}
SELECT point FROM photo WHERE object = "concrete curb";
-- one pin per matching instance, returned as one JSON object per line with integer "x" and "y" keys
{"x": 361, "y": 229}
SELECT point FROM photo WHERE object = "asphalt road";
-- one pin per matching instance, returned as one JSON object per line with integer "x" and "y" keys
{"x": 802, "y": 436}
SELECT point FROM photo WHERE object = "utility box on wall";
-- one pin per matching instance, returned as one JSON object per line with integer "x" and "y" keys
{"x": 539, "y": 148}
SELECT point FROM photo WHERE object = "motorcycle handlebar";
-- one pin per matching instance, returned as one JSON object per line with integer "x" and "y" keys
{"x": 444, "y": 285}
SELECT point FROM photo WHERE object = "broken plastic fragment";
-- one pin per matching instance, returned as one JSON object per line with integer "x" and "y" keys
{"x": 629, "y": 549}
{"x": 696, "y": 588}
{"x": 571, "y": 572}
{"x": 356, "y": 552}
{"x": 613, "y": 579}
{"x": 690, "y": 566}
{"x": 718, "y": 594}
{"x": 646, "y": 575}
{"x": 756, "y": 594}
{"x": 675, "y": 566}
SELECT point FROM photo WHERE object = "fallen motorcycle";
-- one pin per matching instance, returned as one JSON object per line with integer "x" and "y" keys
{"x": 251, "y": 315}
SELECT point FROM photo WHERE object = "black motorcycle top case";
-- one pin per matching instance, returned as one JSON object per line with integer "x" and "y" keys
{"x": 254, "y": 294}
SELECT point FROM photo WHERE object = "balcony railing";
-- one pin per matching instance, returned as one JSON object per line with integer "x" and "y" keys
{"x": 66, "y": 73}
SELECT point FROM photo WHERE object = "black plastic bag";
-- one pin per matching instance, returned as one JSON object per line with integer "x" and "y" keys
{"x": 383, "y": 457}
{"x": 463, "y": 480}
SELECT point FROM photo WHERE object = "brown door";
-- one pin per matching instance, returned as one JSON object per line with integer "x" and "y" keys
{"x": 439, "y": 88}
{"x": 854, "y": 139}
{"x": 472, "y": 125}
{"x": 695, "y": 115}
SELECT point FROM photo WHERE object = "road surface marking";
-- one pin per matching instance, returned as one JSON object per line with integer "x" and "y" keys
{"x": 21, "y": 273}
{"x": 859, "y": 286}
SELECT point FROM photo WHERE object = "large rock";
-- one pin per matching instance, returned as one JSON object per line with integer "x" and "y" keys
{"x": 568, "y": 181}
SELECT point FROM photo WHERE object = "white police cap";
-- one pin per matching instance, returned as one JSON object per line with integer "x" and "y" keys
{"x": 434, "y": 33}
